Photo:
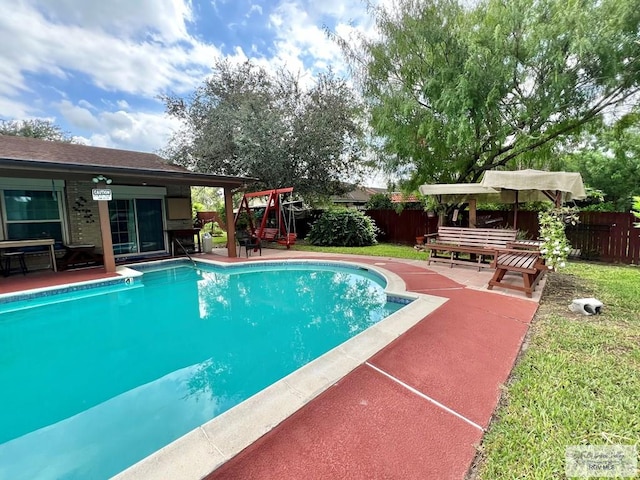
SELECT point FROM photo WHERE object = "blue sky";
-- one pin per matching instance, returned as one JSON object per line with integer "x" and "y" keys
{"x": 96, "y": 67}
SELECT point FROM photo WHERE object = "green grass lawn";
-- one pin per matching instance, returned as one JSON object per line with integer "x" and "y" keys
{"x": 220, "y": 241}
{"x": 379, "y": 250}
{"x": 577, "y": 382}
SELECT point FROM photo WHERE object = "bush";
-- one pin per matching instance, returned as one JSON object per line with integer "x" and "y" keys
{"x": 379, "y": 201}
{"x": 555, "y": 247}
{"x": 600, "y": 207}
{"x": 343, "y": 228}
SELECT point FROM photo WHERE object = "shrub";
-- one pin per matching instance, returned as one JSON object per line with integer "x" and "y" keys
{"x": 600, "y": 207}
{"x": 343, "y": 228}
{"x": 379, "y": 201}
{"x": 555, "y": 246}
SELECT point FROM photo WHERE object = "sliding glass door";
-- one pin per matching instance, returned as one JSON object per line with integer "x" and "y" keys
{"x": 150, "y": 227}
{"x": 136, "y": 226}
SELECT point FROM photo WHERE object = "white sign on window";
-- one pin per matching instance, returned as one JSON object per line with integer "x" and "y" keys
{"x": 101, "y": 193}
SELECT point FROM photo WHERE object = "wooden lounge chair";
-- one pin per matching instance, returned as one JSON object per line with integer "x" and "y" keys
{"x": 528, "y": 263}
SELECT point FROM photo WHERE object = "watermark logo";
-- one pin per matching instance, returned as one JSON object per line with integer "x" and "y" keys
{"x": 610, "y": 461}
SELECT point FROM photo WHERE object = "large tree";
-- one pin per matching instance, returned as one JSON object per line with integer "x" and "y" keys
{"x": 457, "y": 88}
{"x": 36, "y": 128}
{"x": 610, "y": 161}
{"x": 244, "y": 120}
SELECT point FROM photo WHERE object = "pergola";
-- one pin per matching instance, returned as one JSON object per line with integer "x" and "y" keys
{"x": 470, "y": 193}
{"x": 510, "y": 187}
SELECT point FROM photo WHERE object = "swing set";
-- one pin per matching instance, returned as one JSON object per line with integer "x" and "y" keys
{"x": 275, "y": 225}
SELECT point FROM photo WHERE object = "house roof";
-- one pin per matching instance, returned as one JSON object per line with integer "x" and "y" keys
{"x": 29, "y": 157}
{"x": 358, "y": 195}
{"x": 399, "y": 197}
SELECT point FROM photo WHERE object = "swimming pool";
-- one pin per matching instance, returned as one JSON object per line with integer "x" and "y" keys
{"x": 161, "y": 350}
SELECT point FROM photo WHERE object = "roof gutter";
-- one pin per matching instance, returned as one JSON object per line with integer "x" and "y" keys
{"x": 121, "y": 175}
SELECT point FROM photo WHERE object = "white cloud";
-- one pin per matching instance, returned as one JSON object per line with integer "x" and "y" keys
{"x": 142, "y": 49}
{"x": 14, "y": 109}
{"x": 86, "y": 104}
{"x": 164, "y": 19}
{"x": 78, "y": 115}
{"x": 141, "y": 131}
{"x": 255, "y": 8}
{"x": 300, "y": 34}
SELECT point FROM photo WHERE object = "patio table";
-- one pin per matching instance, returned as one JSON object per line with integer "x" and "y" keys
{"x": 39, "y": 242}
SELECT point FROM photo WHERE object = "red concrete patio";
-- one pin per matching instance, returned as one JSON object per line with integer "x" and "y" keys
{"x": 415, "y": 410}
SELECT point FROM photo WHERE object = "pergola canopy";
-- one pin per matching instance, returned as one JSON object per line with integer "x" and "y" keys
{"x": 501, "y": 186}
{"x": 569, "y": 183}
{"x": 460, "y": 192}
{"x": 464, "y": 192}
{"x": 456, "y": 189}
{"x": 511, "y": 187}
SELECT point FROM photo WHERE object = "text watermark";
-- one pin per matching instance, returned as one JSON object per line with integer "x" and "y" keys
{"x": 601, "y": 461}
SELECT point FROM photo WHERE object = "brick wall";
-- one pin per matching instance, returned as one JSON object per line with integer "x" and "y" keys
{"x": 84, "y": 219}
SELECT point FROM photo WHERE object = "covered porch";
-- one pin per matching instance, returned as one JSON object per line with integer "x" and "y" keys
{"x": 66, "y": 205}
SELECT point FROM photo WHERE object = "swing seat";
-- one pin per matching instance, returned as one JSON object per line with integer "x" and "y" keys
{"x": 269, "y": 234}
{"x": 288, "y": 240}
{"x": 279, "y": 229}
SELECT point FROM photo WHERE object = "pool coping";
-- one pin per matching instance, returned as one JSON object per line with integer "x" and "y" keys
{"x": 205, "y": 448}
{"x": 123, "y": 275}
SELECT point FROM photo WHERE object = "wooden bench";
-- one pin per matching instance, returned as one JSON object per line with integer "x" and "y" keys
{"x": 477, "y": 242}
{"x": 529, "y": 263}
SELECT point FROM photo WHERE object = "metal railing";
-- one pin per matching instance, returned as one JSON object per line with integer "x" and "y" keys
{"x": 185, "y": 251}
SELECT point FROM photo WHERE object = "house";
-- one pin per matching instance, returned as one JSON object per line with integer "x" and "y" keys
{"x": 47, "y": 191}
{"x": 357, "y": 197}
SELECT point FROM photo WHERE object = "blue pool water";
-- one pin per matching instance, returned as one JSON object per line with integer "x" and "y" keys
{"x": 91, "y": 385}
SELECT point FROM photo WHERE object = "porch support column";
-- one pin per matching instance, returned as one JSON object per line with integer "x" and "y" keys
{"x": 230, "y": 220}
{"x": 107, "y": 244}
{"x": 473, "y": 205}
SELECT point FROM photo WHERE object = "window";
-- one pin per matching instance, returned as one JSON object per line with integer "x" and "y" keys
{"x": 32, "y": 214}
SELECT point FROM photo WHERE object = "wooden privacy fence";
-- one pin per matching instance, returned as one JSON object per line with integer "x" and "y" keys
{"x": 403, "y": 227}
{"x": 605, "y": 236}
